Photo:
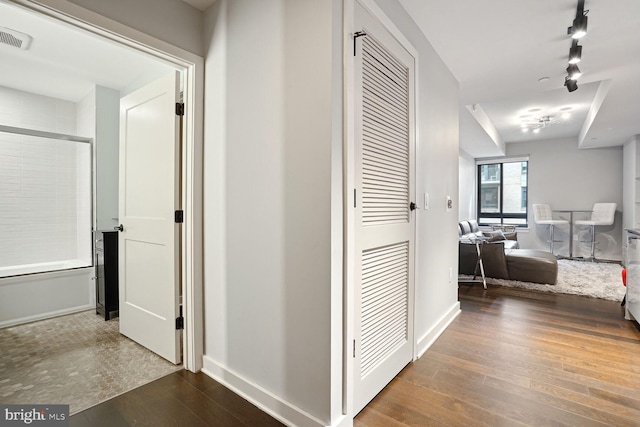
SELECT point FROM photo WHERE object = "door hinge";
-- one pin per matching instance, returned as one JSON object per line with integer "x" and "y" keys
{"x": 355, "y": 197}
{"x": 179, "y": 323}
{"x": 355, "y": 39}
{"x": 179, "y": 217}
{"x": 354, "y": 349}
{"x": 180, "y": 320}
{"x": 179, "y": 109}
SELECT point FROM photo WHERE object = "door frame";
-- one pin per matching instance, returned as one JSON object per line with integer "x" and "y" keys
{"x": 350, "y": 257}
{"x": 192, "y": 68}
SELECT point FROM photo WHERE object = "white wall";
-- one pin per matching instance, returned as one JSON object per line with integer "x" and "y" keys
{"x": 566, "y": 177}
{"x": 172, "y": 21}
{"x": 467, "y": 191}
{"x": 268, "y": 154}
{"x": 107, "y": 152}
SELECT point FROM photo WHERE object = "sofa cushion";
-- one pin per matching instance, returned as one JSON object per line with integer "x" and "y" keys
{"x": 494, "y": 261}
{"x": 473, "y": 224}
{"x": 466, "y": 228}
{"x": 494, "y": 236}
{"x": 527, "y": 265}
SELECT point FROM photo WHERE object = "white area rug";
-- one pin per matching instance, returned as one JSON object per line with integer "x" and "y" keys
{"x": 596, "y": 280}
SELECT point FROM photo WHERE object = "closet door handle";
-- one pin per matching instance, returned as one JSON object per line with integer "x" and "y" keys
{"x": 119, "y": 228}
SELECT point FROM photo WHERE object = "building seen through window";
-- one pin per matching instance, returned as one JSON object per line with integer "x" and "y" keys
{"x": 502, "y": 193}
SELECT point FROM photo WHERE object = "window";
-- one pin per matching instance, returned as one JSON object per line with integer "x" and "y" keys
{"x": 502, "y": 192}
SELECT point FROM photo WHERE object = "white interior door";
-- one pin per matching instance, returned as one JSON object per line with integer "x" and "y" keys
{"x": 149, "y": 279}
{"x": 384, "y": 224}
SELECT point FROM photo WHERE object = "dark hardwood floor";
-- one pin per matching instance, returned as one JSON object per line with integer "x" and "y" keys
{"x": 180, "y": 399}
{"x": 515, "y": 357}
{"x": 512, "y": 358}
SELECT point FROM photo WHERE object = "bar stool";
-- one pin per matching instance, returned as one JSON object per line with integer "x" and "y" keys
{"x": 602, "y": 214}
{"x": 542, "y": 215}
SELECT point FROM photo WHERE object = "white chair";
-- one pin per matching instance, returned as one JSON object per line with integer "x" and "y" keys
{"x": 542, "y": 215}
{"x": 602, "y": 214}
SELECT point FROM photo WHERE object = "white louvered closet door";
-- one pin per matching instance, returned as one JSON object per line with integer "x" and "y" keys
{"x": 384, "y": 229}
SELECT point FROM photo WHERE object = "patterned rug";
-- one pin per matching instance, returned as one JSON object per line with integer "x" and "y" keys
{"x": 596, "y": 280}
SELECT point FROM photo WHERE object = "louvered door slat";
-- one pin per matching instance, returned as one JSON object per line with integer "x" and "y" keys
{"x": 377, "y": 85}
{"x": 385, "y": 150}
{"x": 383, "y": 54}
{"x": 384, "y": 305}
{"x": 394, "y": 117}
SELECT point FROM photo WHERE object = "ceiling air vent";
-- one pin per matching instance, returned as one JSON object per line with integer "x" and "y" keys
{"x": 14, "y": 38}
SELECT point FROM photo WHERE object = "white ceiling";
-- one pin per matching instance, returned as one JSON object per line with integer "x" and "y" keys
{"x": 498, "y": 49}
{"x": 66, "y": 63}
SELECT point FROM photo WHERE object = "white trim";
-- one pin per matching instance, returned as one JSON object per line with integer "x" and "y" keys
{"x": 273, "y": 405}
{"x": 193, "y": 66}
{"x": 432, "y": 335}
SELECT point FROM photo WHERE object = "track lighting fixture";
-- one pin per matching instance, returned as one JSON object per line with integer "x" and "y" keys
{"x": 579, "y": 27}
{"x": 575, "y": 53}
{"x": 570, "y": 84}
{"x": 576, "y": 31}
{"x": 574, "y": 72}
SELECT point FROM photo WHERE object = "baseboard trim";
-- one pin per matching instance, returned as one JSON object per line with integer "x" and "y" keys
{"x": 430, "y": 337}
{"x": 45, "y": 316}
{"x": 273, "y": 405}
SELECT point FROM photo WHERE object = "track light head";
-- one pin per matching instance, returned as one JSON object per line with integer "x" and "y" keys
{"x": 574, "y": 72}
{"x": 579, "y": 27}
{"x": 570, "y": 84}
{"x": 575, "y": 53}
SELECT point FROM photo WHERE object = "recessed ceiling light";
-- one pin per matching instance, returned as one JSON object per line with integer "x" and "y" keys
{"x": 566, "y": 116}
{"x": 525, "y": 130}
{"x": 544, "y": 79}
{"x": 536, "y": 130}
{"x": 565, "y": 109}
{"x": 594, "y": 139}
{"x": 534, "y": 110}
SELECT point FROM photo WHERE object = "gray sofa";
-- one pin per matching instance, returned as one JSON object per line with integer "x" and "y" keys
{"x": 502, "y": 257}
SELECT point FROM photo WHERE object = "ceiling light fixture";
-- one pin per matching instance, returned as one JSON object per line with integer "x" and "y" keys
{"x": 574, "y": 72}
{"x": 579, "y": 27}
{"x": 570, "y": 84}
{"x": 575, "y": 53}
{"x": 576, "y": 31}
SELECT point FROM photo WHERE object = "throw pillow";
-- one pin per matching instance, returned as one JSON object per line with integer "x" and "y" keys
{"x": 494, "y": 236}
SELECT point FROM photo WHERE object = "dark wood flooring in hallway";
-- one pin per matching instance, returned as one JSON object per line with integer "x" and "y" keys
{"x": 520, "y": 358}
{"x": 512, "y": 358}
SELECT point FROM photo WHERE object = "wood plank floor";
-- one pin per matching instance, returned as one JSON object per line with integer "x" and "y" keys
{"x": 180, "y": 399}
{"x": 519, "y": 358}
{"x": 512, "y": 358}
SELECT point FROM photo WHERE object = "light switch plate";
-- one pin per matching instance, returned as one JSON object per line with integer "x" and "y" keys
{"x": 449, "y": 204}
{"x": 426, "y": 201}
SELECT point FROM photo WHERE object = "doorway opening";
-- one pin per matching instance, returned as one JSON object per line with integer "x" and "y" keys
{"x": 131, "y": 54}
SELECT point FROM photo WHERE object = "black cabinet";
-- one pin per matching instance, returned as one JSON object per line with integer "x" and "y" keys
{"x": 106, "y": 264}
